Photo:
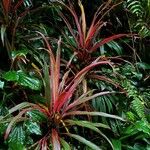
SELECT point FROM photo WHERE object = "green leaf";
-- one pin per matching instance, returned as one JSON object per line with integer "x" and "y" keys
{"x": 1, "y": 84}
{"x": 102, "y": 114}
{"x": 23, "y": 79}
{"x": 65, "y": 145}
{"x": 11, "y": 76}
{"x": 31, "y": 82}
{"x": 91, "y": 126}
{"x": 36, "y": 116}
{"x": 33, "y": 127}
{"x": 143, "y": 65}
{"x": 114, "y": 45}
{"x": 19, "y": 53}
{"x": 84, "y": 141}
{"x": 143, "y": 126}
{"x": 17, "y": 138}
{"x": 116, "y": 144}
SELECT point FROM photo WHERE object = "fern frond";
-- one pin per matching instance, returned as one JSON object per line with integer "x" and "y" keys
{"x": 138, "y": 106}
{"x": 137, "y": 103}
{"x": 135, "y": 7}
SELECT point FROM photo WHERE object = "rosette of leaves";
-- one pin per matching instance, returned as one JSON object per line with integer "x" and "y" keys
{"x": 61, "y": 118}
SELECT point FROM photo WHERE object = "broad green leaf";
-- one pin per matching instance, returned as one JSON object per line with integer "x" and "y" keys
{"x": 1, "y": 84}
{"x": 84, "y": 141}
{"x": 17, "y": 138}
{"x": 36, "y": 116}
{"x": 23, "y": 79}
{"x": 28, "y": 81}
{"x": 33, "y": 127}
{"x": 11, "y": 76}
{"x": 65, "y": 145}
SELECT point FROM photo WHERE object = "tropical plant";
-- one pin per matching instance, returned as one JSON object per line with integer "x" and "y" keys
{"x": 61, "y": 106}
{"x": 135, "y": 107}
{"x": 139, "y": 21}
{"x": 82, "y": 39}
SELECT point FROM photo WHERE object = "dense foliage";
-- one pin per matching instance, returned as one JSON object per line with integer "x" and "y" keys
{"x": 74, "y": 74}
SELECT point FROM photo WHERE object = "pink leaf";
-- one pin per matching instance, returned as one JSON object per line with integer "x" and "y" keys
{"x": 55, "y": 140}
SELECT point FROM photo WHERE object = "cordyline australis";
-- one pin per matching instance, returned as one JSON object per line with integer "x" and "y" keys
{"x": 84, "y": 38}
{"x": 62, "y": 108}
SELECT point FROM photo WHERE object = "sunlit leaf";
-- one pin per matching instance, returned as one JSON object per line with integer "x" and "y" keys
{"x": 3, "y": 29}
{"x": 1, "y": 84}
{"x": 23, "y": 79}
{"x": 33, "y": 127}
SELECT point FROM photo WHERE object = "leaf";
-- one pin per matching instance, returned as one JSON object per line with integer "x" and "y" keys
{"x": 65, "y": 145}
{"x": 85, "y": 99}
{"x": 92, "y": 126}
{"x": 84, "y": 141}
{"x": 36, "y": 116}
{"x": 19, "y": 53}
{"x": 11, "y": 76}
{"x": 102, "y": 114}
{"x": 1, "y": 84}
{"x": 83, "y": 19}
{"x": 143, "y": 65}
{"x": 116, "y": 144}
{"x": 19, "y": 107}
{"x": 3, "y": 30}
{"x": 33, "y": 127}
{"x": 55, "y": 140}
{"x": 6, "y": 5}
{"x": 17, "y": 138}
{"x": 31, "y": 82}
{"x": 114, "y": 45}
{"x": 23, "y": 79}
{"x": 107, "y": 40}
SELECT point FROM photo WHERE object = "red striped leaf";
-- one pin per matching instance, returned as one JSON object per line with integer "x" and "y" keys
{"x": 106, "y": 40}
{"x": 55, "y": 140}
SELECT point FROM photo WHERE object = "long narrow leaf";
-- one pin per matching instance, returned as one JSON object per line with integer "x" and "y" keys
{"x": 85, "y": 99}
{"x": 73, "y": 12}
{"x": 83, "y": 19}
{"x": 89, "y": 125}
{"x": 102, "y": 114}
{"x": 6, "y": 5}
{"x": 84, "y": 141}
{"x": 55, "y": 140}
{"x": 65, "y": 145}
{"x": 14, "y": 120}
{"x": 106, "y": 40}
{"x": 66, "y": 95}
